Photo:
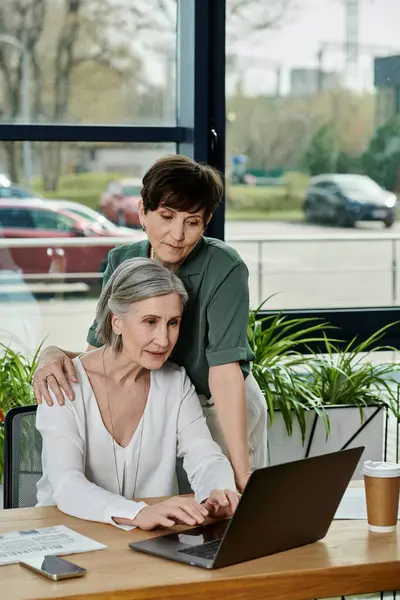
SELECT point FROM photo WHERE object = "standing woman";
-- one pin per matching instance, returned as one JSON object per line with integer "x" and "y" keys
{"x": 179, "y": 197}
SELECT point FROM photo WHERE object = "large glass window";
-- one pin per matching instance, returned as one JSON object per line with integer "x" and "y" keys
{"x": 54, "y": 244}
{"x": 312, "y": 123}
{"x": 91, "y": 94}
{"x": 88, "y": 62}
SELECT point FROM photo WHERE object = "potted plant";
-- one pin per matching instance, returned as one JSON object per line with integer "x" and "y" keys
{"x": 320, "y": 402}
{"x": 16, "y": 386}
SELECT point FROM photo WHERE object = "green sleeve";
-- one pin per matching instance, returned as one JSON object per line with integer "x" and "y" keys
{"x": 227, "y": 316}
{"x": 91, "y": 336}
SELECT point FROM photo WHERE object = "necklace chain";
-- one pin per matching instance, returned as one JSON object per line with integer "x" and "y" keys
{"x": 113, "y": 435}
{"x": 152, "y": 254}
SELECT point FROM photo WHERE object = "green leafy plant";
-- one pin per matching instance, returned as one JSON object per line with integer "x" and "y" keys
{"x": 282, "y": 372}
{"x": 16, "y": 386}
{"x": 294, "y": 382}
{"x": 347, "y": 376}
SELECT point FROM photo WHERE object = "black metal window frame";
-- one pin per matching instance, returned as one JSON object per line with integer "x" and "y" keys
{"x": 200, "y": 133}
{"x": 350, "y": 322}
{"x": 200, "y": 127}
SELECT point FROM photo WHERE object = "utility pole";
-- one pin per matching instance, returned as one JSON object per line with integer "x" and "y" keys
{"x": 352, "y": 19}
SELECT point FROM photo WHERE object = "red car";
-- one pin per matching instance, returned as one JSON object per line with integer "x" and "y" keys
{"x": 119, "y": 202}
{"x": 35, "y": 219}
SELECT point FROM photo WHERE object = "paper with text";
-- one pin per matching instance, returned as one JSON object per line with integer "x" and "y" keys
{"x": 18, "y": 545}
{"x": 353, "y": 505}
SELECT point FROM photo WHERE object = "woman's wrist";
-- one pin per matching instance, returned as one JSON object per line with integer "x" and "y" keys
{"x": 48, "y": 350}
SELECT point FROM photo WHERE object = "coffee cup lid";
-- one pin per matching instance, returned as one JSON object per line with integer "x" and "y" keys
{"x": 380, "y": 469}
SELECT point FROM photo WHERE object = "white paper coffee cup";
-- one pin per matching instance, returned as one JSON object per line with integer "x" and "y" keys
{"x": 382, "y": 487}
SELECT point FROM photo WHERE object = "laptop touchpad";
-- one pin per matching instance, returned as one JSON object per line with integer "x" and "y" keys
{"x": 202, "y": 534}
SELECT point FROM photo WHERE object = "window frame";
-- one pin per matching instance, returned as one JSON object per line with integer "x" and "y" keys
{"x": 23, "y": 209}
{"x": 200, "y": 127}
{"x": 58, "y": 216}
{"x": 200, "y": 133}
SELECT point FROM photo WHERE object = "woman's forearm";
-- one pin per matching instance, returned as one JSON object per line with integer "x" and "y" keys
{"x": 228, "y": 392}
{"x": 50, "y": 351}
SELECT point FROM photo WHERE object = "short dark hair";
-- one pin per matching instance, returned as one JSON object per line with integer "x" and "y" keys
{"x": 181, "y": 183}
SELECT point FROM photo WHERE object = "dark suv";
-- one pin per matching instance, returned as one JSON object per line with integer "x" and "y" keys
{"x": 346, "y": 199}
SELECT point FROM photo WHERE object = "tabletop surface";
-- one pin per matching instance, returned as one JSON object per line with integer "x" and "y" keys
{"x": 348, "y": 560}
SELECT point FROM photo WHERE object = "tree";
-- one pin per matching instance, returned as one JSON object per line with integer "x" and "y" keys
{"x": 271, "y": 132}
{"x": 26, "y": 21}
{"x": 68, "y": 42}
{"x": 321, "y": 155}
{"x": 381, "y": 161}
{"x": 246, "y": 17}
{"x": 92, "y": 61}
{"x": 275, "y": 132}
{"x": 325, "y": 153}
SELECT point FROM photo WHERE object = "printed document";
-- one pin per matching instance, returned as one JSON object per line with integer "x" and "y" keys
{"x": 18, "y": 545}
{"x": 353, "y": 504}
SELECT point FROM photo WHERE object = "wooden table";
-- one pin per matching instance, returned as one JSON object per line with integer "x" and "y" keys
{"x": 349, "y": 560}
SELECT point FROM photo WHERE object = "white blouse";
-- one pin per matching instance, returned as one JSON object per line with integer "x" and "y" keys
{"x": 79, "y": 470}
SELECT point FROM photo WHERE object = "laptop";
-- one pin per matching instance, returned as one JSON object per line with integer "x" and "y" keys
{"x": 282, "y": 507}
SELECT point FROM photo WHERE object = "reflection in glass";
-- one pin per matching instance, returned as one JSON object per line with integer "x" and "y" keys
{"x": 55, "y": 239}
{"x": 202, "y": 534}
{"x": 312, "y": 88}
{"x": 104, "y": 61}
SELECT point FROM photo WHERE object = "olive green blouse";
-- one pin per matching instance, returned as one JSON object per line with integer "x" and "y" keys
{"x": 214, "y": 325}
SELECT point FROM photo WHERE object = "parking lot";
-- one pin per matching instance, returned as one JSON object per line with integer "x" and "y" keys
{"x": 354, "y": 270}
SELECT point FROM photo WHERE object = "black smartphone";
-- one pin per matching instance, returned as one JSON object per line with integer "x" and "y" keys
{"x": 53, "y": 567}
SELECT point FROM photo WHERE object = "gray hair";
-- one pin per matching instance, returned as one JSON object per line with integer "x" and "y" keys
{"x": 133, "y": 280}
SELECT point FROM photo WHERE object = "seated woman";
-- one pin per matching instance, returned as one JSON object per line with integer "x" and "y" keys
{"x": 133, "y": 414}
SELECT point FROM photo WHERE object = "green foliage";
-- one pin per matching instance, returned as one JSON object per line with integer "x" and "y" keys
{"x": 296, "y": 383}
{"x": 79, "y": 187}
{"x": 320, "y": 155}
{"x": 381, "y": 161}
{"x": 348, "y": 164}
{"x": 268, "y": 199}
{"x": 89, "y": 198}
{"x": 16, "y": 389}
{"x": 87, "y": 188}
{"x": 348, "y": 377}
{"x": 324, "y": 154}
{"x": 282, "y": 372}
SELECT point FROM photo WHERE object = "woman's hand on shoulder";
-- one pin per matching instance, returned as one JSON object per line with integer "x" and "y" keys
{"x": 222, "y": 503}
{"x": 178, "y": 510}
{"x": 55, "y": 372}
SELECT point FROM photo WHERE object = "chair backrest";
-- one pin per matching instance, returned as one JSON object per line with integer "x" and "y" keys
{"x": 22, "y": 457}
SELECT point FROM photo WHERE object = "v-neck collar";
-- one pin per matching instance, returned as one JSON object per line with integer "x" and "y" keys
{"x": 140, "y": 424}
{"x": 193, "y": 263}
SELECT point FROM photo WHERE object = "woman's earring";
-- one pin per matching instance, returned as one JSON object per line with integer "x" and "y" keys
{"x": 144, "y": 228}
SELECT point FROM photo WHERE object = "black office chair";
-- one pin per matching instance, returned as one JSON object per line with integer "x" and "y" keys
{"x": 22, "y": 457}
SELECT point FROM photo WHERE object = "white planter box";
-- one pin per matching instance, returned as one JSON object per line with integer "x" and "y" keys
{"x": 344, "y": 421}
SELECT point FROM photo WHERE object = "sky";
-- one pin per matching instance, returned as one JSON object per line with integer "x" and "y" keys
{"x": 317, "y": 21}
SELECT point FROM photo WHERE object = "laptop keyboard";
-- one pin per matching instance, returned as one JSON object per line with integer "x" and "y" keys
{"x": 206, "y": 550}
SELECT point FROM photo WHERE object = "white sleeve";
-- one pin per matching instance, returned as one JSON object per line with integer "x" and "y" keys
{"x": 203, "y": 460}
{"x": 63, "y": 458}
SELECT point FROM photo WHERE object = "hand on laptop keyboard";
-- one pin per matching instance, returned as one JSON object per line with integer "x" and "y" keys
{"x": 178, "y": 509}
{"x": 221, "y": 503}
